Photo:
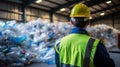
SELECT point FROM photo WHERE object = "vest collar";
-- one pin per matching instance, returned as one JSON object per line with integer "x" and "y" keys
{"x": 78, "y": 30}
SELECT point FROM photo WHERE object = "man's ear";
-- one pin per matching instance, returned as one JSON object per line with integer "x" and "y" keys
{"x": 71, "y": 22}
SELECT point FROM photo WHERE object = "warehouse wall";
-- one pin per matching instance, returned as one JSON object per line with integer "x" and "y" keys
{"x": 12, "y": 11}
{"x": 58, "y": 18}
{"x": 33, "y": 14}
{"x": 108, "y": 21}
{"x": 117, "y": 22}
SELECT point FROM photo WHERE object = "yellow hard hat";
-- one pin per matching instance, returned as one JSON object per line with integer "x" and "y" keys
{"x": 80, "y": 10}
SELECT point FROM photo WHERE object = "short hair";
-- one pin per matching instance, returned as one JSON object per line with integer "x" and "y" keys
{"x": 80, "y": 22}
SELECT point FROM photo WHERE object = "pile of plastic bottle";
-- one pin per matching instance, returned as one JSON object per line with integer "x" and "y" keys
{"x": 14, "y": 49}
{"x": 107, "y": 34}
{"x": 23, "y": 43}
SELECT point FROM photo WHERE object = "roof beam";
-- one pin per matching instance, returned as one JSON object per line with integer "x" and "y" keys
{"x": 27, "y": 2}
{"x": 88, "y": 3}
{"x": 47, "y": 11}
{"x": 115, "y": 13}
{"x": 43, "y": 5}
{"x": 8, "y": 1}
{"x": 65, "y": 5}
{"x": 68, "y": 0}
{"x": 94, "y": 8}
{"x": 108, "y": 6}
{"x": 52, "y": 2}
{"x": 114, "y": 4}
{"x": 104, "y": 9}
{"x": 100, "y": 6}
{"x": 31, "y": 6}
{"x": 94, "y": 2}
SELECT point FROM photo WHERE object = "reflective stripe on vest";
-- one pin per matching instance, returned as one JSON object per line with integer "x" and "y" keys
{"x": 88, "y": 52}
{"x": 73, "y": 50}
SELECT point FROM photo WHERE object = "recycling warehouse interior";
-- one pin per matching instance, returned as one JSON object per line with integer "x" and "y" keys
{"x": 30, "y": 28}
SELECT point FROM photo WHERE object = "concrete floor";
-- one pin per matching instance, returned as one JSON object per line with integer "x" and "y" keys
{"x": 41, "y": 65}
{"x": 114, "y": 56}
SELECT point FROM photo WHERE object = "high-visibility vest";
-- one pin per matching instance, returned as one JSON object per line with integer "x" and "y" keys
{"x": 77, "y": 50}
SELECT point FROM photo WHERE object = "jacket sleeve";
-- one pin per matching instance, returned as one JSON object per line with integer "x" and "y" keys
{"x": 57, "y": 58}
{"x": 102, "y": 58}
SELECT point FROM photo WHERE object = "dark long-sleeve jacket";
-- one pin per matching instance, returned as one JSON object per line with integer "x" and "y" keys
{"x": 101, "y": 58}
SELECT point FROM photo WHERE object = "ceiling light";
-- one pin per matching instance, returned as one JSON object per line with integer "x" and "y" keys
{"x": 90, "y": 17}
{"x": 38, "y": 1}
{"x": 108, "y": 2}
{"x": 102, "y": 14}
{"x": 63, "y": 9}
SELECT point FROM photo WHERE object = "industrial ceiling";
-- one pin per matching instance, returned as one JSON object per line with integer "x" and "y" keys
{"x": 98, "y": 8}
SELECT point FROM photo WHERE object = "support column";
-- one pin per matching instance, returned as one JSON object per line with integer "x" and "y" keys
{"x": 68, "y": 19}
{"x": 25, "y": 3}
{"x": 51, "y": 17}
{"x": 113, "y": 21}
{"x": 23, "y": 13}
